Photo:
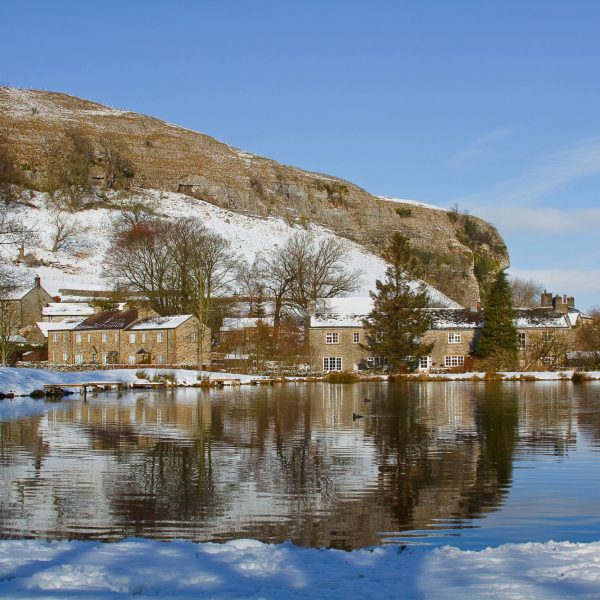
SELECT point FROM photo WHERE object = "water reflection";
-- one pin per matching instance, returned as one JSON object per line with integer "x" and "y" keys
{"x": 284, "y": 462}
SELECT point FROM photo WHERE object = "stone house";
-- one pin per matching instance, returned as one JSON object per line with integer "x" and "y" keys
{"x": 59, "y": 311}
{"x": 120, "y": 337}
{"x": 28, "y": 303}
{"x": 337, "y": 334}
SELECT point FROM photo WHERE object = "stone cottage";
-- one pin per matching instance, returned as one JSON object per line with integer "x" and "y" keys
{"x": 337, "y": 334}
{"x": 120, "y": 337}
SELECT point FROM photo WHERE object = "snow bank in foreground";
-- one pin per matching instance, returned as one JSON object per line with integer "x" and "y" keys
{"x": 250, "y": 569}
{"x": 22, "y": 382}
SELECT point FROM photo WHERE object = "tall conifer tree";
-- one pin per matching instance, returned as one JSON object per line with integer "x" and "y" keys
{"x": 498, "y": 341}
{"x": 397, "y": 323}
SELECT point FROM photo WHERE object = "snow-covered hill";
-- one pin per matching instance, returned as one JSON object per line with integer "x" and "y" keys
{"x": 80, "y": 266}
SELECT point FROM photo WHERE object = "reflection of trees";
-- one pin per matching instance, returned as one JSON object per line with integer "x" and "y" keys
{"x": 289, "y": 462}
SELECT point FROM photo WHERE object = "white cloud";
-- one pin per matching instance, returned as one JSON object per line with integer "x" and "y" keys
{"x": 550, "y": 174}
{"x": 478, "y": 149}
{"x": 512, "y": 219}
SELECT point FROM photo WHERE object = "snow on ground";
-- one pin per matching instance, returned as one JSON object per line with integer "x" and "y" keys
{"x": 250, "y": 569}
{"x": 22, "y": 382}
{"x": 413, "y": 202}
{"x": 81, "y": 266}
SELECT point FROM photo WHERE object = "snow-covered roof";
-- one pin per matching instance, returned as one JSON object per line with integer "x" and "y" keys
{"x": 240, "y": 323}
{"x": 65, "y": 325}
{"x": 573, "y": 317}
{"x": 341, "y": 312}
{"x": 454, "y": 318}
{"x": 59, "y": 309}
{"x": 171, "y": 322}
{"x": 109, "y": 319}
{"x": 540, "y": 318}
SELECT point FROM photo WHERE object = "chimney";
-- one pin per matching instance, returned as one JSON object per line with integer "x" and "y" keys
{"x": 37, "y": 281}
{"x": 546, "y": 299}
{"x": 571, "y": 302}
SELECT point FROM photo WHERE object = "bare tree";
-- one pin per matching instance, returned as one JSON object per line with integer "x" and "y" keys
{"x": 9, "y": 324}
{"x": 9, "y": 174}
{"x": 588, "y": 339}
{"x": 525, "y": 292}
{"x": 132, "y": 211}
{"x": 179, "y": 266}
{"x": 305, "y": 269}
{"x": 546, "y": 350}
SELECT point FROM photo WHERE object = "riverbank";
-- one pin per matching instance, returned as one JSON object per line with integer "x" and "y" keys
{"x": 24, "y": 381}
{"x": 250, "y": 569}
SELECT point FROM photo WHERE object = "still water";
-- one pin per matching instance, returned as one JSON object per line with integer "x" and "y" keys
{"x": 471, "y": 464}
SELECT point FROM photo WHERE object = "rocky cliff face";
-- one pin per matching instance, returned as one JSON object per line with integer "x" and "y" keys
{"x": 457, "y": 252}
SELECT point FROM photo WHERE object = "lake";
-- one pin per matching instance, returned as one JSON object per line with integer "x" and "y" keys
{"x": 470, "y": 464}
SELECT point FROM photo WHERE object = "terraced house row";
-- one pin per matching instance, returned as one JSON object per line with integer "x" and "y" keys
{"x": 337, "y": 336}
{"x": 121, "y": 337}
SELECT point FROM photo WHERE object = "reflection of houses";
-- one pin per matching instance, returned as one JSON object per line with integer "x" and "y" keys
{"x": 337, "y": 334}
{"x": 112, "y": 337}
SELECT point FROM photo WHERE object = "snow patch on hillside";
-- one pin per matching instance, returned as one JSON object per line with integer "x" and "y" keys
{"x": 250, "y": 236}
{"x": 413, "y": 202}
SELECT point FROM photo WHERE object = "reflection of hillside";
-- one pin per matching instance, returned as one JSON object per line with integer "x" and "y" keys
{"x": 280, "y": 462}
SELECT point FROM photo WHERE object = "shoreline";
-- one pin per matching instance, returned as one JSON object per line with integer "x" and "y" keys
{"x": 20, "y": 381}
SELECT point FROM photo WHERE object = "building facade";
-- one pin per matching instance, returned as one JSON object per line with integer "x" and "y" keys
{"x": 120, "y": 337}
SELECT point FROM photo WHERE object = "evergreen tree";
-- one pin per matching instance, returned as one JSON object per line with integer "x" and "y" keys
{"x": 397, "y": 323}
{"x": 498, "y": 341}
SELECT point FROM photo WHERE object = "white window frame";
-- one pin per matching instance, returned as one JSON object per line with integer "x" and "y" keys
{"x": 332, "y": 337}
{"x": 332, "y": 363}
{"x": 454, "y": 360}
{"x": 143, "y": 338}
{"x": 132, "y": 338}
{"x": 160, "y": 359}
{"x": 454, "y": 337}
{"x": 105, "y": 336}
{"x": 65, "y": 357}
{"x": 79, "y": 358}
{"x": 105, "y": 358}
{"x": 522, "y": 340}
{"x": 55, "y": 337}
{"x": 78, "y": 338}
{"x": 159, "y": 336}
{"x": 193, "y": 336}
{"x": 132, "y": 359}
{"x": 356, "y": 337}
{"x": 424, "y": 362}
{"x": 89, "y": 337}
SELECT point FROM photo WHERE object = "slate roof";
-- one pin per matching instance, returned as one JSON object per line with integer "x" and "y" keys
{"x": 109, "y": 319}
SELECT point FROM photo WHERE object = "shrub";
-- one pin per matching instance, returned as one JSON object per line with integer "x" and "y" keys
{"x": 166, "y": 377}
{"x": 404, "y": 211}
{"x": 38, "y": 394}
{"x": 579, "y": 377}
{"x": 341, "y": 377}
{"x": 142, "y": 375}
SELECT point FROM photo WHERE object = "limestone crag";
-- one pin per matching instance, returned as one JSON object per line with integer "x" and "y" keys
{"x": 457, "y": 252}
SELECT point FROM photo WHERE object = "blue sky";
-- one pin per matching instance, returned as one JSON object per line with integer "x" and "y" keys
{"x": 493, "y": 106}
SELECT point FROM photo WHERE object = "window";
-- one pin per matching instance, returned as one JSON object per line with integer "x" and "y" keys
{"x": 116, "y": 336}
{"x": 104, "y": 336}
{"x": 193, "y": 337}
{"x": 94, "y": 357}
{"x": 104, "y": 357}
{"x": 454, "y": 337}
{"x": 376, "y": 361}
{"x": 55, "y": 337}
{"x": 132, "y": 338}
{"x": 522, "y": 340}
{"x": 424, "y": 362}
{"x": 332, "y": 363}
{"x": 332, "y": 338}
{"x": 356, "y": 337}
{"x": 159, "y": 336}
{"x": 454, "y": 361}
{"x": 65, "y": 357}
{"x": 160, "y": 359}
{"x": 79, "y": 359}
{"x": 132, "y": 359}
{"x": 89, "y": 337}
{"x": 143, "y": 338}
{"x": 78, "y": 338}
